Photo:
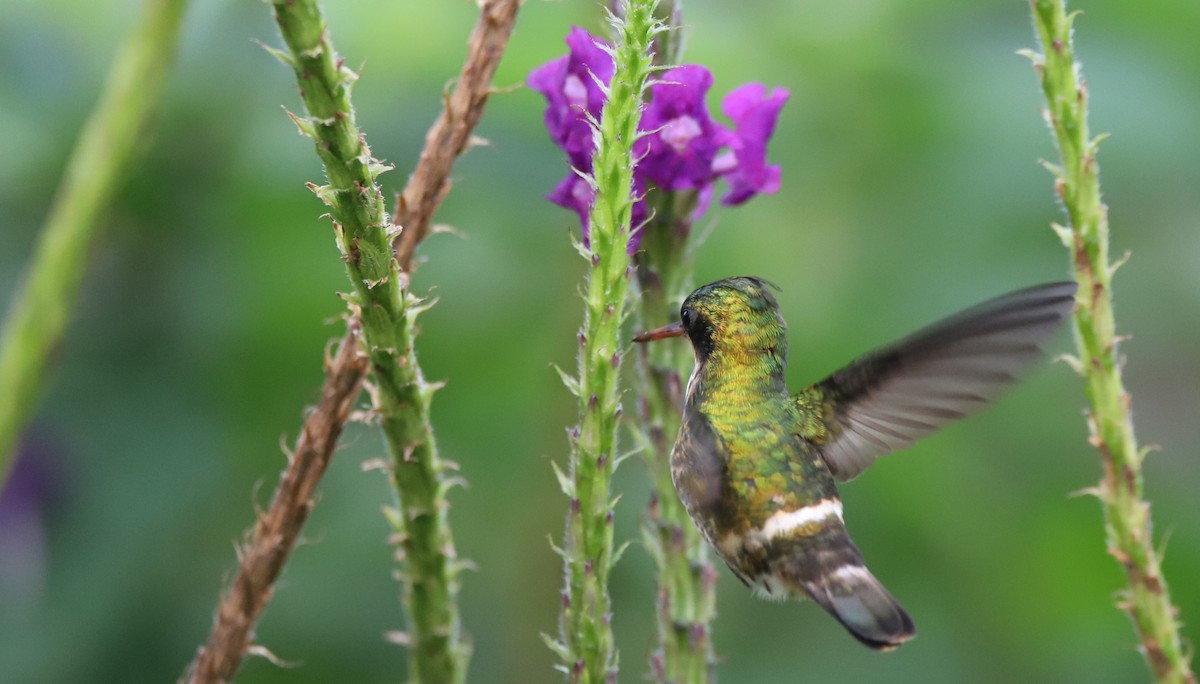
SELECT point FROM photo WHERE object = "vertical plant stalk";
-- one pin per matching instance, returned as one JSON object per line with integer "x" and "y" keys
{"x": 276, "y": 532}
{"x": 400, "y": 393}
{"x": 686, "y": 594}
{"x": 262, "y": 561}
{"x": 430, "y": 568}
{"x": 586, "y": 640}
{"x": 685, "y": 600}
{"x": 112, "y": 137}
{"x": 1127, "y": 515}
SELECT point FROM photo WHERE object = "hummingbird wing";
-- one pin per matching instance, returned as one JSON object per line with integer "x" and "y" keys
{"x": 886, "y": 400}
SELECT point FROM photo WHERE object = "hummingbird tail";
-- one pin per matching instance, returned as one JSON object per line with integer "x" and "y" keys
{"x": 864, "y": 607}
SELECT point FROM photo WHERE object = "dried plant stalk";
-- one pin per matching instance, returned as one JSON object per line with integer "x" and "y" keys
{"x": 277, "y": 530}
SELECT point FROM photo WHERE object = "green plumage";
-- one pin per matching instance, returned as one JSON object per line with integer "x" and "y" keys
{"x": 757, "y": 468}
{"x": 739, "y": 400}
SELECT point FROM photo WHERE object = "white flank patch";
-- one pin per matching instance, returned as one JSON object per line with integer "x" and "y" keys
{"x": 847, "y": 573}
{"x": 786, "y": 521}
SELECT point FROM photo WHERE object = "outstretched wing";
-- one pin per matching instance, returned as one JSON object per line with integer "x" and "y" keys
{"x": 891, "y": 397}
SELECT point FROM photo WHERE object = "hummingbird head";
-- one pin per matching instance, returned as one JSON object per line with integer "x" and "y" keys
{"x": 735, "y": 318}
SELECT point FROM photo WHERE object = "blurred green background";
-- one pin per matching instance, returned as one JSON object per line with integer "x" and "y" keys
{"x": 910, "y": 188}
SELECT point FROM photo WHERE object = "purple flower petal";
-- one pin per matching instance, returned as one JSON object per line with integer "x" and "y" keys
{"x": 703, "y": 202}
{"x": 573, "y": 95}
{"x": 548, "y": 80}
{"x": 589, "y": 57}
{"x": 754, "y": 114}
{"x": 576, "y": 194}
{"x": 678, "y": 152}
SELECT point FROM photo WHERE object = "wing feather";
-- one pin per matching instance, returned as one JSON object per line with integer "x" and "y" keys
{"x": 886, "y": 400}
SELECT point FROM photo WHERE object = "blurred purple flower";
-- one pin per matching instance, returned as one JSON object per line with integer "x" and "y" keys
{"x": 745, "y": 164}
{"x": 576, "y": 194}
{"x": 25, "y": 500}
{"x": 681, "y": 148}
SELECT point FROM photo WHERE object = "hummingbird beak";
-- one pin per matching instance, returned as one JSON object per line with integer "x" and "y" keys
{"x": 673, "y": 330}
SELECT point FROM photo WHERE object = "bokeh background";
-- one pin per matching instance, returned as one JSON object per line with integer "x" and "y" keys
{"x": 911, "y": 188}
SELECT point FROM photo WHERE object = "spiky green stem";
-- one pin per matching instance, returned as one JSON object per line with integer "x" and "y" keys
{"x": 400, "y": 393}
{"x": 686, "y": 600}
{"x": 586, "y": 642}
{"x": 112, "y": 136}
{"x": 1127, "y": 515}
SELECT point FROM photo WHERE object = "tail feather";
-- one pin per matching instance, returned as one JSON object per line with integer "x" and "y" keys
{"x": 864, "y": 607}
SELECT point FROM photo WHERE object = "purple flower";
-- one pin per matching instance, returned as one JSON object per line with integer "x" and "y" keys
{"x": 25, "y": 502}
{"x": 681, "y": 149}
{"x": 745, "y": 164}
{"x": 573, "y": 192}
{"x": 678, "y": 151}
{"x": 573, "y": 98}
{"x": 572, "y": 94}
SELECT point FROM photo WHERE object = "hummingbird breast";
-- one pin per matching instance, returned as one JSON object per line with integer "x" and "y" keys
{"x": 751, "y": 483}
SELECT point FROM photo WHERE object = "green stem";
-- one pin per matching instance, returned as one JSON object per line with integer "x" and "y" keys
{"x": 686, "y": 602}
{"x": 1127, "y": 515}
{"x": 400, "y": 393}
{"x": 113, "y": 135}
{"x": 586, "y": 640}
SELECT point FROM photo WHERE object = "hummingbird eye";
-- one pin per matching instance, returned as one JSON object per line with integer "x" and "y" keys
{"x": 686, "y": 317}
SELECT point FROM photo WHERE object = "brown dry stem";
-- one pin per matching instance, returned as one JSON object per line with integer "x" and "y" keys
{"x": 450, "y": 134}
{"x": 277, "y": 530}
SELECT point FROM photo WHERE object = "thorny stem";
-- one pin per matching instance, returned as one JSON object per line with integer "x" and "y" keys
{"x": 276, "y": 532}
{"x": 400, "y": 393}
{"x": 686, "y": 601}
{"x": 1127, "y": 515}
{"x": 113, "y": 135}
{"x": 586, "y": 641}
{"x": 446, "y": 140}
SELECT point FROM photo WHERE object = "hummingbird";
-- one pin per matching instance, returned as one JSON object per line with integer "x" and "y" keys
{"x": 757, "y": 468}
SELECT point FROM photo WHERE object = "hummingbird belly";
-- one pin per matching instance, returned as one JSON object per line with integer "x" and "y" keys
{"x": 759, "y": 501}
{"x": 777, "y": 523}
